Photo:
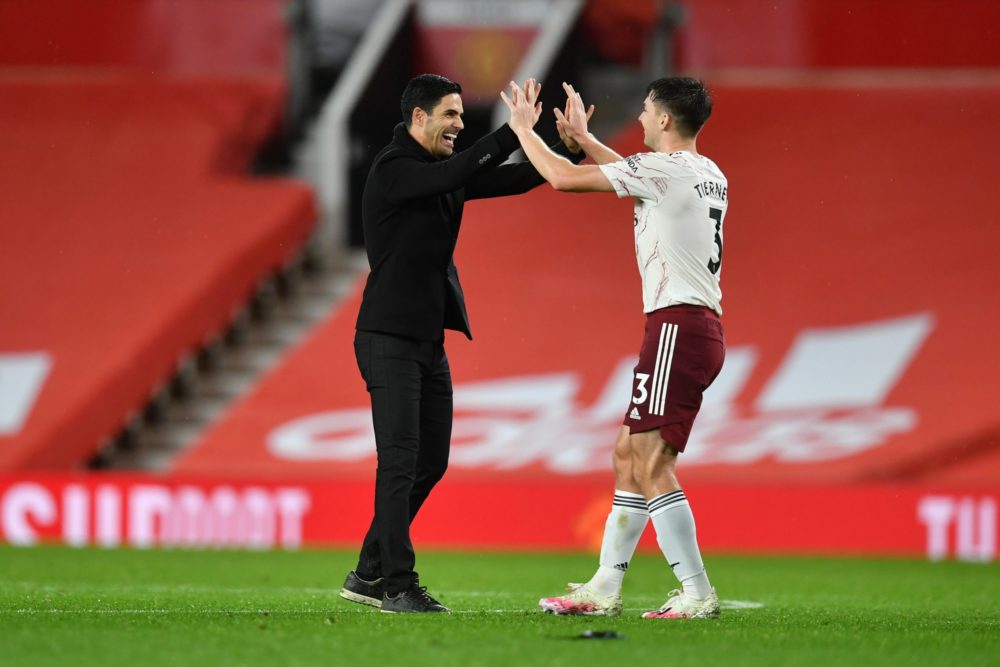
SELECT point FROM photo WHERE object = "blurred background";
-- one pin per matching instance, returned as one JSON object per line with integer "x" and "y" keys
{"x": 181, "y": 260}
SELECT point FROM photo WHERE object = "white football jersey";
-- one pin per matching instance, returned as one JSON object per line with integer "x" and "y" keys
{"x": 680, "y": 203}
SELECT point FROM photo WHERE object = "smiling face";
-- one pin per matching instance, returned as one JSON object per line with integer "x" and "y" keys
{"x": 436, "y": 130}
{"x": 651, "y": 119}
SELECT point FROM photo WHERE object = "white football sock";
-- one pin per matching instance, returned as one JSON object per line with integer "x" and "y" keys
{"x": 675, "y": 533}
{"x": 622, "y": 531}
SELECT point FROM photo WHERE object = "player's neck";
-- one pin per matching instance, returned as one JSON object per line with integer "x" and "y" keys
{"x": 670, "y": 142}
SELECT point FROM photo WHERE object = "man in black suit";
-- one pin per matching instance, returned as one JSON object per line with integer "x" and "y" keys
{"x": 412, "y": 211}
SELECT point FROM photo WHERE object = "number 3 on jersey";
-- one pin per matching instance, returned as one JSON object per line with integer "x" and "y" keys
{"x": 642, "y": 379}
{"x": 715, "y": 264}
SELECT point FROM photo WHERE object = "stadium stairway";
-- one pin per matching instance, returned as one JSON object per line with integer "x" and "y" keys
{"x": 279, "y": 316}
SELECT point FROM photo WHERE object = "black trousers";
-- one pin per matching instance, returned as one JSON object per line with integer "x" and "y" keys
{"x": 409, "y": 382}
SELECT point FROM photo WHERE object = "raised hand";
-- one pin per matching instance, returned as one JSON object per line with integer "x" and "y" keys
{"x": 572, "y": 123}
{"x": 525, "y": 109}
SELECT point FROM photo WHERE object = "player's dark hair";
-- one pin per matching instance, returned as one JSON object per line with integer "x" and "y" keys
{"x": 425, "y": 91}
{"x": 686, "y": 100}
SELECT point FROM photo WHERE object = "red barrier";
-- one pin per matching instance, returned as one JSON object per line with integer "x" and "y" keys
{"x": 137, "y": 511}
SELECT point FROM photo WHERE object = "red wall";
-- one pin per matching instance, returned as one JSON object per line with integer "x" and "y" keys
{"x": 156, "y": 36}
{"x": 797, "y": 34}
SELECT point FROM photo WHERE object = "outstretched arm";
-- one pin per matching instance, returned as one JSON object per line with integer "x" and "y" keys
{"x": 557, "y": 170}
{"x": 572, "y": 126}
{"x": 403, "y": 176}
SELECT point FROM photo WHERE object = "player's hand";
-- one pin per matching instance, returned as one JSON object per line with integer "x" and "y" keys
{"x": 572, "y": 123}
{"x": 525, "y": 109}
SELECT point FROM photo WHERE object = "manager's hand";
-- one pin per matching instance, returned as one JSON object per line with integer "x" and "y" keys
{"x": 525, "y": 109}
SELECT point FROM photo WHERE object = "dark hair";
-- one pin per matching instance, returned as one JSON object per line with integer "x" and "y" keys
{"x": 685, "y": 99}
{"x": 425, "y": 91}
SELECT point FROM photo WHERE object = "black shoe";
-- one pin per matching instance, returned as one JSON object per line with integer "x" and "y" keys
{"x": 358, "y": 590}
{"x": 412, "y": 600}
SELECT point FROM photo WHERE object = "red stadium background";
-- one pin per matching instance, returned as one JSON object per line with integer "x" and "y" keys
{"x": 855, "y": 413}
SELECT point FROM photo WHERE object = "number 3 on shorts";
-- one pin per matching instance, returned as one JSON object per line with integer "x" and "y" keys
{"x": 641, "y": 378}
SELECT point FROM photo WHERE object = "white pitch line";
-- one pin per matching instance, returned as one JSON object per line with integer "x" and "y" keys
{"x": 116, "y": 612}
{"x": 167, "y": 588}
{"x": 234, "y": 612}
{"x": 740, "y": 604}
{"x": 311, "y": 590}
{"x": 48, "y": 587}
{"x": 734, "y": 605}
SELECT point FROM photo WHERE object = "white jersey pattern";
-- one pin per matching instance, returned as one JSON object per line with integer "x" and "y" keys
{"x": 680, "y": 203}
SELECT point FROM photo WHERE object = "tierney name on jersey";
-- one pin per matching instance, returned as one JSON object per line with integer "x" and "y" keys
{"x": 711, "y": 189}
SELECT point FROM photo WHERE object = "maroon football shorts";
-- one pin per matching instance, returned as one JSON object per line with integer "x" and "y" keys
{"x": 681, "y": 355}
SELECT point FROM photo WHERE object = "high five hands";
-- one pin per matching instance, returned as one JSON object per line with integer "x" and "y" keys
{"x": 524, "y": 106}
{"x": 525, "y": 109}
{"x": 572, "y": 123}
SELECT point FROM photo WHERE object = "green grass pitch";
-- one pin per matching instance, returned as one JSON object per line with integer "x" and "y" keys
{"x": 61, "y": 606}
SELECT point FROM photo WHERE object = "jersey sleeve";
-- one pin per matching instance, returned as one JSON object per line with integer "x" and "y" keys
{"x": 637, "y": 176}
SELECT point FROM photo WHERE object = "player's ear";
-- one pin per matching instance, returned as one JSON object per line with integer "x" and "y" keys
{"x": 419, "y": 117}
{"x": 665, "y": 121}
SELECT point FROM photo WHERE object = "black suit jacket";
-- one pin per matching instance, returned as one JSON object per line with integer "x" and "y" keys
{"x": 412, "y": 211}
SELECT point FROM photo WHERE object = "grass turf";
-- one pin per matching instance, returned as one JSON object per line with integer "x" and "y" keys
{"x": 64, "y": 606}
